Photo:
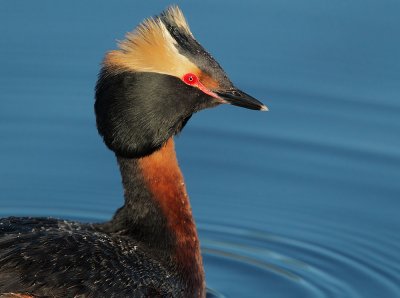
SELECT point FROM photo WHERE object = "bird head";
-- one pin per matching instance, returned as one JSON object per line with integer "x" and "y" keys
{"x": 149, "y": 88}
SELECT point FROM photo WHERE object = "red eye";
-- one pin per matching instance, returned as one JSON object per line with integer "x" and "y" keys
{"x": 190, "y": 79}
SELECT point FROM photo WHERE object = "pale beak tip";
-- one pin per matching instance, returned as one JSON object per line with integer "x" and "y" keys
{"x": 264, "y": 108}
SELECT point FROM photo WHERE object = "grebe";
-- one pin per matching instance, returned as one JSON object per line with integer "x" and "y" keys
{"x": 146, "y": 92}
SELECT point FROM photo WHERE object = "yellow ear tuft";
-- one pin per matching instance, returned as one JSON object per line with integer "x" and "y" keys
{"x": 150, "y": 47}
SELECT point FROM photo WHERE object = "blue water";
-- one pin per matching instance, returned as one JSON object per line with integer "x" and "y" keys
{"x": 302, "y": 201}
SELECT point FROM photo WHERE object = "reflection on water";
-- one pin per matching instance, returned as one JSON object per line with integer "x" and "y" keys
{"x": 301, "y": 201}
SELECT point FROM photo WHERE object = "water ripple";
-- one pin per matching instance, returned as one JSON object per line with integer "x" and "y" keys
{"x": 315, "y": 270}
{"x": 241, "y": 262}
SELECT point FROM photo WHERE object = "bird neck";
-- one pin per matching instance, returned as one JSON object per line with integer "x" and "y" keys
{"x": 157, "y": 210}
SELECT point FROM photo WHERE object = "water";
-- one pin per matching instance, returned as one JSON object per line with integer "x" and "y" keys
{"x": 301, "y": 201}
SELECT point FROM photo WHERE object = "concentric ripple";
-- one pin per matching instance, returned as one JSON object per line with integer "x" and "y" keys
{"x": 245, "y": 263}
{"x": 242, "y": 262}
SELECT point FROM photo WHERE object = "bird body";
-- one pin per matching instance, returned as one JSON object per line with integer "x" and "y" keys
{"x": 146, "y": 92}
{"x": 53, "y": 258}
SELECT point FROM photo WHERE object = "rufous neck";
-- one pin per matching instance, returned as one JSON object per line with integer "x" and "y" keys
{"x": 154, "y": 185}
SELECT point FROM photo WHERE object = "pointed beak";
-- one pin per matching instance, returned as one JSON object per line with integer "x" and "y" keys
{"x": 238, "y": 98}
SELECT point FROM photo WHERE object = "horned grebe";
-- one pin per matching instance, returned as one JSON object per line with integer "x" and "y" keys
{"x": 146, "y": 92}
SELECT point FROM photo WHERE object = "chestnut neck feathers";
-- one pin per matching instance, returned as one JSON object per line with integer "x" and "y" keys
{"x": 157, "y": 213}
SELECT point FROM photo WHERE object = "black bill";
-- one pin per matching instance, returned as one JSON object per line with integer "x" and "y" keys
{"x": 239, "y": 98}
